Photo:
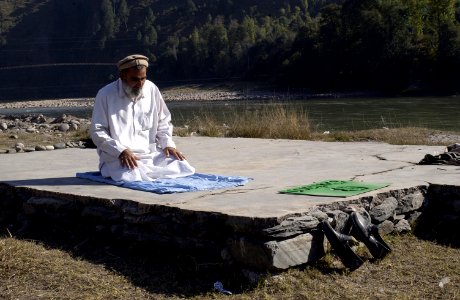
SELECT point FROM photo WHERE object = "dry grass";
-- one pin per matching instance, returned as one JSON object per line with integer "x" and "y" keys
{"x": 278, "y": 122}
{"x": 272, "y": 121}
{"x": 31, "y": 270}
{"x": 395, "y": 136}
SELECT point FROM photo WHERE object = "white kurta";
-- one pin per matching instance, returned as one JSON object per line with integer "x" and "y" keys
{"x": 143, "y": 126}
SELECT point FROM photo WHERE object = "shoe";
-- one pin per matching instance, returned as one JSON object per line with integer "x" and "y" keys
{"x": 341, "y": 244}
{"x": 368, "y": 233}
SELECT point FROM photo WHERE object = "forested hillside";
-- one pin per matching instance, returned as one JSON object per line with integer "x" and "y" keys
{"x": 67, "y": 48}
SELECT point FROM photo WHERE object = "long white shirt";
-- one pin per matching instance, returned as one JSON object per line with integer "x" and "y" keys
{"x": 142, "y": 125}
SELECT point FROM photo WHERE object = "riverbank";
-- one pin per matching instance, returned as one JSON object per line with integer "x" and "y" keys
{"x": 196, "y": 92}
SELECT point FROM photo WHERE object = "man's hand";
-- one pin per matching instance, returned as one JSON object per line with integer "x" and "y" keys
{"x": 174, "y": 152}
{"x": 128, "y": 159}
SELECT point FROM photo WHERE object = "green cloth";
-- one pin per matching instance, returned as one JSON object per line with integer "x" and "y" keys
{"x": 335, "y": 188}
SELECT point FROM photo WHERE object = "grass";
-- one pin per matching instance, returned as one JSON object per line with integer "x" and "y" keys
{"x": 90, "y": 269}
{"x": 272, "y": 121}
{"x": 278, "y": 122}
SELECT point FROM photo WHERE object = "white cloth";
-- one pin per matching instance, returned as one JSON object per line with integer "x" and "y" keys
{"x": 142, "y": 125}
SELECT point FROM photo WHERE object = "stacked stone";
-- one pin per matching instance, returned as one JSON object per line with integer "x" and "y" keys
{"x": 298, "y": 239}
{"x": 262, "y": 243}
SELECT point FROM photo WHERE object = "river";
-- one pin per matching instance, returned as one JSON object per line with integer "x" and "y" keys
{"x": 325, "y": 114}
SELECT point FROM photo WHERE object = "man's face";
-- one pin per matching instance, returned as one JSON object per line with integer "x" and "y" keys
{"x": 134, "y": 78}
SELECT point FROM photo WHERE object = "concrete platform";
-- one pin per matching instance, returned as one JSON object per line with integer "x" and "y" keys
{"x": 248, "y": 211}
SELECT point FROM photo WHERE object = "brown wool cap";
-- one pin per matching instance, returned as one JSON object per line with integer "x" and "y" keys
{"x": 133, "y": 60}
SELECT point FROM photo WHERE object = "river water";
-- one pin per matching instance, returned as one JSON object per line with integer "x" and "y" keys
{"x": 325, "y": 114}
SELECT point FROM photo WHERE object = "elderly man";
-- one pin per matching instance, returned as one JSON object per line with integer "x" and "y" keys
{"x": 131, "y": 127}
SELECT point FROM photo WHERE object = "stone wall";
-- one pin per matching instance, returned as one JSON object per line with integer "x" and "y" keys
{"x": 265, "y": 243}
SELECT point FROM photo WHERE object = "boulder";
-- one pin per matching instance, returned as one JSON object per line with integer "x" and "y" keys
{"x": 385, "y": 210}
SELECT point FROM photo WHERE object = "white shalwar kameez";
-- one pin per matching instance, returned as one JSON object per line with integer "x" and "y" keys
{"x": 142, "y": 125}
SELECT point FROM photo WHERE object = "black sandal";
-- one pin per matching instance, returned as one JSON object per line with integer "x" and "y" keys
{"x": 368, "y": 233}
{"x": 340, "y": 243}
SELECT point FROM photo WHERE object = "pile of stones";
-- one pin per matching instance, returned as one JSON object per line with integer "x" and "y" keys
{"x": 14, "y": 126}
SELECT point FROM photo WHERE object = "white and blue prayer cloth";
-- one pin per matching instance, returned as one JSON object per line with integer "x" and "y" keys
{"x": 191, "y": 183}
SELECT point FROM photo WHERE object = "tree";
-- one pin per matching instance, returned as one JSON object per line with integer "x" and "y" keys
{"x": 123, "y": 13}
{"x": 107, "y": 29}
{"x": 191, "y": 7}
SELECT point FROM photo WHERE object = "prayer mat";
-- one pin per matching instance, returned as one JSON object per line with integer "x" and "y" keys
{"x": 192, "y": 183}
{"x": 335, "y": 188}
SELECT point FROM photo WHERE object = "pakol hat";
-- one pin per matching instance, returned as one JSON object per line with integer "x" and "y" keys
{"x": 134, "y": 60}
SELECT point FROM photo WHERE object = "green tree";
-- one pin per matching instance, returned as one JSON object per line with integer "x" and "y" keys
{"x": 107, "y": 29}
{"x": 123, "y": 13}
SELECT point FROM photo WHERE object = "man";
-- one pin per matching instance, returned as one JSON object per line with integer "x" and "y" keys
{"x": 131, "y": 127}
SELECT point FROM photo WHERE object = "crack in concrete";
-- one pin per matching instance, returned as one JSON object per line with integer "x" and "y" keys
{"x": 385, "y": 171}
{"x": 379, "y": 156}
{"x": 241, "y": 191}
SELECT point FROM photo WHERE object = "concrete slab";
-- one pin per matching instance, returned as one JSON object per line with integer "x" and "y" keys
{"x": 273, "y": 164}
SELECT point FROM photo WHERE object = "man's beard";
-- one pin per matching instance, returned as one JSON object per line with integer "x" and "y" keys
{"x": 131, "y": 92}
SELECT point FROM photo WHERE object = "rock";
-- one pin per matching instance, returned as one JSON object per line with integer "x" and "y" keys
{"x": 410, "y": 202}
{"x": 72, "y": 145}
{"x": 73, "y": 127}
{"x": 3, "y": 126}
{"x": 292, "y": 226}
{"x": 277, "y": 255}
{"x": 11, "y": 151}
{"x": 402, "y": 226}
{"x": 14, "y": 136}
{"x": 101, "y": 214}
{"x": 413, "y": 218}
{"x": 3, "y": 151}
{"x": 49, "y": 147}
{"x": 40, "y": 148}
{"x": 339, "y": 219}
{"x": 31, "y": 130}
{"x": 59, "y": 146}
{"x": 385, "y": 210}
{"x": 19, "y": 146}
{"x": 73, "y": 121}
{"x": 386, "y": 227}
{"x": 47, "y": 205}
{"x": 251, "y": 276}
{"x": 317, "y": 213}
{"x": 28, "y": 149}
{"x": 64, "y": 127}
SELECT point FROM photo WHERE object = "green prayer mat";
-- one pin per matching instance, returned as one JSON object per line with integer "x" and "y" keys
{"x": 335, "y": 188}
